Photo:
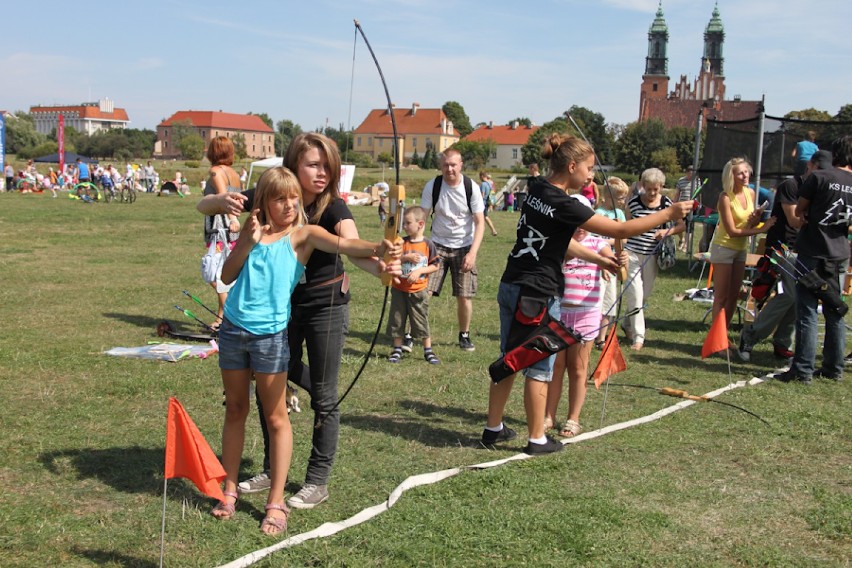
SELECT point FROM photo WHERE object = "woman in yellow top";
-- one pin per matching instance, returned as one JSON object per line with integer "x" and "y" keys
{"x": 738, "y": 220}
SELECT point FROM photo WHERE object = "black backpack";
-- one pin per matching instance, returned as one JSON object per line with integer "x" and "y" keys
{"x": 436, "y": 191}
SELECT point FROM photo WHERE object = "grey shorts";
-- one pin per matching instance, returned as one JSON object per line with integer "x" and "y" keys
{"x": 725, "y": 255}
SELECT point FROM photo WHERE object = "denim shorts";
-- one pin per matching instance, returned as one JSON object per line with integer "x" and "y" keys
{"x": 239, "y": 349}
{"x": 507, "y": 298}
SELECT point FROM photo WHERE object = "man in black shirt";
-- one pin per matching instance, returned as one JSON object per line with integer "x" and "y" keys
{"x": 825, "y": 207}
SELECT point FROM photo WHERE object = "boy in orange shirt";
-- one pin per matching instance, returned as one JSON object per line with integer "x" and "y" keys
{"x": 409, "y": 298}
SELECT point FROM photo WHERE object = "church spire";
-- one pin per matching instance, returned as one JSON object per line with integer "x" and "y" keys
{"x": 714, "y": 38}
{"x": 657, "y": 61}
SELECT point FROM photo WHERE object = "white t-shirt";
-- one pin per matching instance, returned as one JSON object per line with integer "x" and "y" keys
{"x": 452, "y": 220}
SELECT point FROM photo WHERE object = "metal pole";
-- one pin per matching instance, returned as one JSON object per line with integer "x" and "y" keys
{"x": 759, "y": 159}
{"x": 699, "y": 122}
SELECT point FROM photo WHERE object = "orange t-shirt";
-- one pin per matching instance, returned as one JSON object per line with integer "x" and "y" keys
{"x": 427, "y": 256}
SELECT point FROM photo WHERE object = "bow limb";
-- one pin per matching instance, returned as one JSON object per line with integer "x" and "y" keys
{"x": 679, "y": 393}
{"x": 618, "y": 246}
{"x": 391, "y": 231}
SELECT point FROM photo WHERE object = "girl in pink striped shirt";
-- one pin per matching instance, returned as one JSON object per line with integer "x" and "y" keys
{"x": 581, "y": 311}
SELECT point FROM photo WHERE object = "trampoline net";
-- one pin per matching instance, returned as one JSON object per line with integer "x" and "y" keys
{"x": 726, "y": 139}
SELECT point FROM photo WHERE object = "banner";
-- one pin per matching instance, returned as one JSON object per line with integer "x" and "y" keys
{"x": 347, "y": 174}
{"x": 3, "y": 149}
{"x": 60, "y": 133}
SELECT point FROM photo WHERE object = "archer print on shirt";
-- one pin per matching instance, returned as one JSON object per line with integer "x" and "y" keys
{"x": 534, "y": 240}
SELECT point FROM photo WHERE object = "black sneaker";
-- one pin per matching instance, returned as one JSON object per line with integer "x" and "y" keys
{"x": 407, "y": 343}
{"x": 549, "y": 447}
{"x": 464, "y": 341}
{"x": 489, "y": 437}
{"x": 745, "y": 349}
{"x": 790, "y": 376}
{"x": 819, "y": 374}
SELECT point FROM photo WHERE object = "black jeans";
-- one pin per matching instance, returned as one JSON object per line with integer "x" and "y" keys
{"x": 323, "y": 331}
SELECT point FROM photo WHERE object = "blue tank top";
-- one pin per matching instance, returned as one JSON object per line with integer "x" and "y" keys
{"x": 259, "y": 301}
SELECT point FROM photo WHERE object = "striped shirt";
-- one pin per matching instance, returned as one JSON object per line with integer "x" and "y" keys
{"x": 583, "y": 278}
{"x": 645, "y": 243}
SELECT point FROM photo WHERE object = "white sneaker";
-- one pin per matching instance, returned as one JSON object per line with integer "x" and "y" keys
{"x": 256, "y": 484}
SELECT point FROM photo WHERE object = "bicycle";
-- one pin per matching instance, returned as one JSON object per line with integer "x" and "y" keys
{"x": 108, "y": 188}
{"x": 128, "y": 192}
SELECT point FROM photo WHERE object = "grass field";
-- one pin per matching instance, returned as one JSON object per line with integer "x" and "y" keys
{"x": 83, "y": 433}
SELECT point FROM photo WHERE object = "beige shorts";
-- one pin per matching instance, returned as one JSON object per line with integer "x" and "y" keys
{"x": 725, "y": 255}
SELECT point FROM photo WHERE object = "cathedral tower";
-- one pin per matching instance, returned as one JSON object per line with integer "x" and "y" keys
{"x": 714, "y": 37}
{"x": 655, "y": 81}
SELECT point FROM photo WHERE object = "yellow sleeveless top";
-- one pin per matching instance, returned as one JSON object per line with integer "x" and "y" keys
{"x": 740, "y": 214}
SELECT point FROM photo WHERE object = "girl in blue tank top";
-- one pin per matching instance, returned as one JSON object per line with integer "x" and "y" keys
{"x": 265, "y": 266}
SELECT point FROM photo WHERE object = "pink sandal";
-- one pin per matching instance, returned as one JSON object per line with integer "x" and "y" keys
{"x": 279, "y": 524}
{"x": 225, "y": 510}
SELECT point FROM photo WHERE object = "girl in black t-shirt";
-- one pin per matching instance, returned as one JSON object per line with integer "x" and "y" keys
{"x": 320, "y": 306}
{"x": 548, "y": 219}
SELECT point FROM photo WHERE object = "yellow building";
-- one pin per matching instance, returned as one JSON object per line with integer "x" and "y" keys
{"x": 418, "y": 129}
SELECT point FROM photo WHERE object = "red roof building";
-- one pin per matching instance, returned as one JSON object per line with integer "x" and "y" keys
{"x": 509, "y": 140}
{"x": 258, "y": 136}
{"x": 87, "y": 118}
{"x": 418, "y": 129}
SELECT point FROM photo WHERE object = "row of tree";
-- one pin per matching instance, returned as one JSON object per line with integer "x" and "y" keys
{"x": 630, "y": 148}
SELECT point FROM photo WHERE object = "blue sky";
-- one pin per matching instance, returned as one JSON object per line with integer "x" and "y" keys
{"x": 499, "y": 59}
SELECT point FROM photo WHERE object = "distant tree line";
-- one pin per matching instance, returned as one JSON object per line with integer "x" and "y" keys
{"x": 629, "y": 148}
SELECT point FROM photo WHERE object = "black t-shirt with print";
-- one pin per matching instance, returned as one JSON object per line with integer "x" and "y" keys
{"x": 824, "y": 236}
{"x": 322, "y": 266}
{"x": 548, "y": 219}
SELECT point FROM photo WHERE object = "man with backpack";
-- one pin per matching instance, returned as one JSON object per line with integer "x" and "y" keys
{"x": 458, "y": 225}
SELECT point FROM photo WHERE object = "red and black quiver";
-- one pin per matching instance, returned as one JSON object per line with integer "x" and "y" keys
{"x": 533, "y": 336}
{"x": 763, "y": 283}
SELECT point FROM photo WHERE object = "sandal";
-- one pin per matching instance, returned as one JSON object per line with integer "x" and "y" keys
{"x": 277, "y": 524}
{"x": 396, "y": 355}
{"x": 570, "y": 429}
{"x": 548, "y": 423}
{"x": 223, "y": 510}
{"x": 599, "y": 344}
{"x": 431, "y": 358}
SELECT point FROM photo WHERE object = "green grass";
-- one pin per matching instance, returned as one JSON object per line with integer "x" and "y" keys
{"x": 83, "y": 433}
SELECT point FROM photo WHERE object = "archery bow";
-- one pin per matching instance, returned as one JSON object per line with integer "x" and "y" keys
{"x": 619, "y": 246}
{"x": 393, "y": 223}
{"x": 678, "y": 393}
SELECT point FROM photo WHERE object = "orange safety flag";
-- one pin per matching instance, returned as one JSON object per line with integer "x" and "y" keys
{"x": 717, "y": 337}
{"x": 188, "y": 455}
{"x": 611, "y": 361}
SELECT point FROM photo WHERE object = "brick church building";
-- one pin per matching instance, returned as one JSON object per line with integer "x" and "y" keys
{"x": 681, "y": 105}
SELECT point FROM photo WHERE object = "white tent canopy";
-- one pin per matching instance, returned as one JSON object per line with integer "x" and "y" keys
{"x": 347, "y": 173}
{"x": 273, "y": 162}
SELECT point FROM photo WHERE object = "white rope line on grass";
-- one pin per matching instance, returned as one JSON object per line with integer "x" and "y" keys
{"x": 329, "y": 529}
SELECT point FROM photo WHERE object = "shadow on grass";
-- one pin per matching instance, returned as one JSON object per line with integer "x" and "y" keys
{"x": 103, "y": 557}
{"x": 425, "y": 427}
{"x": 142, "y": 321}
{"x": 129, "y": 469}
